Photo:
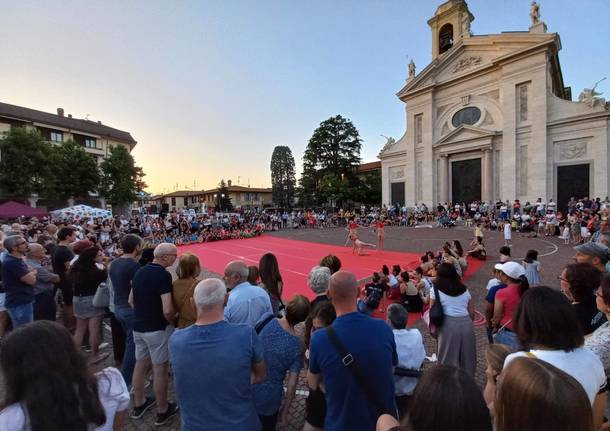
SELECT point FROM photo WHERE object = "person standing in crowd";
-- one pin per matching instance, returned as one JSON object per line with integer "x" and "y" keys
{"x": 532, "y": 268}
{"x": 331, "y": 262}
{"x": 183, "y": 288}
{"x": 321, "y": 316}
{"x": 370, "y": 344}
{"x": 44, "y": 300}
{"x": 318, "y": 281}
{"x": 506, "y": 302}
{"x": 122, "y": 271}
{"x": 60, "y": 259}
{"x": 247, "y": 303}
{"x": 85, "y": 276}
{"x": 411, "y": 354}
{"x": 493, "y": 286}
{"x": 18, "y": 281}
{"x": 535, "y": 395}
{"x": 547, "y": 327}
{"x": 48, "y": 385}
{"x": 456, "y": 339}
{"x": 271, "y": 281}
{"x": 151, "y": 297}
{"x": 595, "y": 253}
{"x": 578, "y": 281}
{"x": 283, "y": 354}
{"x": 4, "y": 317}
{"x": 214, "y": 363}
{"x": 455, "y": 404}
{"x": 495, "y": 354}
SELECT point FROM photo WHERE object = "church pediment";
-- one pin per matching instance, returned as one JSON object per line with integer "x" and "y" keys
{"x": 466, "y": 133}
{"x": 473, "y": 54}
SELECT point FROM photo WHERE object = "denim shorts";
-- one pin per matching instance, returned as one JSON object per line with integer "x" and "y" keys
{"x": 84, "y": 309}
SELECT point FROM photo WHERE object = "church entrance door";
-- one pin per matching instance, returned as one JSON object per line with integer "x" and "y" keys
{"x": 572, "y": 181}
{"x": 466, "y": 180}
{"x": 397, "y": 194}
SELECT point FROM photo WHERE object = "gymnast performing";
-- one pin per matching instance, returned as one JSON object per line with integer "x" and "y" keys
{"x": 357, "y": 244}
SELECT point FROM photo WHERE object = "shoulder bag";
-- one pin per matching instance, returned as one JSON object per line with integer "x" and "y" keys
{"x": 348, "y": 361}
{"x": 437, "y": 316}
{"x": 101, "y": 299}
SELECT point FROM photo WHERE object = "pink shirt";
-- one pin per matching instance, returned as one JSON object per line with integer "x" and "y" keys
{"x": 510, "y": 298}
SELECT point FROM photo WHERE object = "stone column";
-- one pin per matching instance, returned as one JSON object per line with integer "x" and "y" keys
{"x": 102, "y": 203}
{"x": 444, "y": 178}
{"x": 487, "y": 180}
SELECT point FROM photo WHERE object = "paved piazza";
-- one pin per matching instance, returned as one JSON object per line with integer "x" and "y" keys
{"x": 553, "y": 256}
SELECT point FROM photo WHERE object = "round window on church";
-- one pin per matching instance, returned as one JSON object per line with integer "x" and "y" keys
{"x": 467, "y": 116}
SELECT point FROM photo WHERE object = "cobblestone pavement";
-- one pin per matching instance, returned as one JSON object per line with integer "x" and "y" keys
{"x": 553, "y": 256}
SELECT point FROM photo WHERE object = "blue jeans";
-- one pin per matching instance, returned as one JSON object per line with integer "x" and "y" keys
{"x": 508, "y": 338}
{"x": 126, "y": 317}
{"x": 21, "y": 314}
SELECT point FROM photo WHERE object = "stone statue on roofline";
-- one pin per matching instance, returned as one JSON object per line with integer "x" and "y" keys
{"x": 389, "y": 143}
{"x": 535, "y": 13}
{"x": 591, "y": 98}
{"x": 411, "y": 69}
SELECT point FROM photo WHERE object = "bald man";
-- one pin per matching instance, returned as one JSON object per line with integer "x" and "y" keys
{"x": 247, "y": 303}
{"x": 44, "y": 301}
{"x": 370, "y": 344}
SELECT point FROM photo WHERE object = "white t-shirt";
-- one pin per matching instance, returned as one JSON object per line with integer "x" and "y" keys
{"x": 491, "y": 283}
{"x": 392, "y": 280}
{"x": 454, "y": 306}
{"x": 411, "y": 354}
{"x": 112, "y": 391}
{"x": 581, "y": 363}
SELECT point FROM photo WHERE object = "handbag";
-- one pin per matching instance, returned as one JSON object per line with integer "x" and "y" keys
{"x": 436, "y": 315}
{"x": 101, "y": 299}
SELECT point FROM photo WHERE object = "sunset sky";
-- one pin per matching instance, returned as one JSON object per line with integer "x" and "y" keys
{"x": 209, "y": 88}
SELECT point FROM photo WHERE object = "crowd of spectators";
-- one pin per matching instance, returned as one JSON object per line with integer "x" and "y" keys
{"x": 234, "y": 346}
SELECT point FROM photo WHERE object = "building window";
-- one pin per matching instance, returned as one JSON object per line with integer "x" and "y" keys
{"x": 57, "y": 137}
{"x": 470, "y": 115}
{"x": 522, "y": 101}
{"x": 418, "y": 127}
{"x": 90, "y": 143}
{"x": 173, "y": 202}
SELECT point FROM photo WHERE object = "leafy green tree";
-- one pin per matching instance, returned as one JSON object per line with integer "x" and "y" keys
{"x": 332, "y": 154}
{"x": 121, "y": 179}
{"x": 370, "y": 188}
{"x": 282, "y": 176}
{"x": 24, "y": 163}
{"x": 223, "y": 200}
{"x": 75, "y": 171}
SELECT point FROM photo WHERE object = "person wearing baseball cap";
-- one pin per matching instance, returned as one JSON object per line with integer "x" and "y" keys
{"x": 595, "y": 253}
{"x": 506, "y": 302}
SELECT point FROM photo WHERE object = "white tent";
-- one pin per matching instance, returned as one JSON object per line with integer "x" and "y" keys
{"x": 80, "y": 211}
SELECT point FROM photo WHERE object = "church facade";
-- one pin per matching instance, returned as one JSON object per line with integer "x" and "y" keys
{"x": 490, "y": 118}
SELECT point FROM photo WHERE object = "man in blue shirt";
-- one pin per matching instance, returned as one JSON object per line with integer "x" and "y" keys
{"x": 247, "y": 303}
{"x": 18, "y": 281}
{"x": 371, "y": 344}
{"x": 213, "y": 362}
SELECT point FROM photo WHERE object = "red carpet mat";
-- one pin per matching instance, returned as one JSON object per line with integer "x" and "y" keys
{"x": 296, "y": 258}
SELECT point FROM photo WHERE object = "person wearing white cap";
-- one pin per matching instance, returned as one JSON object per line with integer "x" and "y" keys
{"x": 513, "y": 275}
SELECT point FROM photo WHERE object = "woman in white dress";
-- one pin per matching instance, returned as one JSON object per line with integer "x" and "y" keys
{"x": 49, "y": 387}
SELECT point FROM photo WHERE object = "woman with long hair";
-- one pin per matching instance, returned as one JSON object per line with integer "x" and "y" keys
{"x": 456, "y": 339}
{"x": 48, "y": 386}
{"x": 506, "y": 302}
{"x": 535, "y": 395}
{"x": 183, "y": 288}
{"x": 86, "y": 275}
{"x": 547, "y": 328}
{"x": 445, "y": 398}
{"x": 578, "y": 281}
{"x": 271, "y": 281}
{"x": 322, "y": 315}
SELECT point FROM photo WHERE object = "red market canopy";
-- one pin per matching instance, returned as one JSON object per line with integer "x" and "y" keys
{"x": 14, "y": 209}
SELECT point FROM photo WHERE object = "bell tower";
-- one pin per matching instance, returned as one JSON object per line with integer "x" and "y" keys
{"x": 450, "y": 24}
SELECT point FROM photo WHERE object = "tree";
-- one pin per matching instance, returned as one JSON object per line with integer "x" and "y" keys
{"x": 333, "y": 153}
{"x": 282, "y": 176}
{"x": 121, "y": 179}
{"x": 24, "y": 163}
{"x": 370, "y": 188}
{"x": 223, "y": 200}
{"x": 75, "y": 172}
